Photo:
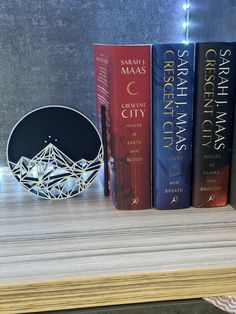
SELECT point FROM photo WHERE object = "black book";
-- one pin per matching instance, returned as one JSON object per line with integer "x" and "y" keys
{"x": 105, "y": 159}
{"x": 213, "y": 122}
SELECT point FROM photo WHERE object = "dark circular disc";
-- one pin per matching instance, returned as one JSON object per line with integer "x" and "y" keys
{"x": 55, "y": 152}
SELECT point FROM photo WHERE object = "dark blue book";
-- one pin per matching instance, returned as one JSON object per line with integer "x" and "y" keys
{"x": 172, "y": 124}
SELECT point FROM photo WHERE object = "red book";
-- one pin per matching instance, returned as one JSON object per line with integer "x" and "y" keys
{"x": 101, "y": 63}
{"x": 122, "y": 76}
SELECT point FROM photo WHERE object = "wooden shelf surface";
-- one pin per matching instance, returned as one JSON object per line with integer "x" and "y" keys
{"x": 82, "y": 252}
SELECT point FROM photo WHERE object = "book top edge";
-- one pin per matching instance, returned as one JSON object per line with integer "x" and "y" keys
{"x": 119, "y": 45}
{"x": 168, "y": 43}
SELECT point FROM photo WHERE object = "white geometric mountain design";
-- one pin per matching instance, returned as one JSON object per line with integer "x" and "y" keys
{"x": 52, "y": 174}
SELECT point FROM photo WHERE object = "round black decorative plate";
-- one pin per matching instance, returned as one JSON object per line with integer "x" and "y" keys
{"x": 55, "y": 152}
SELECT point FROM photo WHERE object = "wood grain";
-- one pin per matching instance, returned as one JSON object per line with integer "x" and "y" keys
{"x": 82, "y": 252}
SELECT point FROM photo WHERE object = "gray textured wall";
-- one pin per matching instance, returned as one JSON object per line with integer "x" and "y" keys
{"x": 46, "y": 49}
{"x": 213, "y": 20}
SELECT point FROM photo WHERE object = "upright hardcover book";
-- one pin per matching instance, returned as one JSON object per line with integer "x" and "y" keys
{"x": 101, "y": 67}
{"x": 172, "y": 124}
{"x": 124, "y": 90}
{"x": 214, "y": 108}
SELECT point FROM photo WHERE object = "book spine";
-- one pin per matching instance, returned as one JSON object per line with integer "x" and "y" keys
{"x": 130, "y": 127}
{"x": 172, "y": 125}
{"x": 214, "y": 108}
{"x": 105, "y": 157}
{"x": 101, "y": 69}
